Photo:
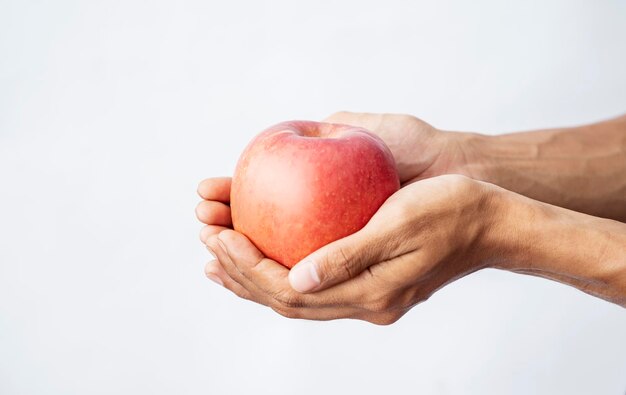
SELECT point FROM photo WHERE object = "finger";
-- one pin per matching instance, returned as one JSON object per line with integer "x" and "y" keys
{"x": 216, "y": 273}
{"x": 232, "y": 270}
{"x": 323, "y": 314}
{"x": 210, "y": 230}
{"x": 334, "y": 313}
{"x": 248, "y": 266}
{"x": 283, "y": 303}
{"x": 214, "y": 213}
{"x": 339, "y": 261}
{"x": 217, "y": 188}
{"x": 387, "y": 235}
{"x": 240, "y": 257}
{"x": 266, "y": 281}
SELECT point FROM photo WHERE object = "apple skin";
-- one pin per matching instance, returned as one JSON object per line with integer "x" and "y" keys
{"x": 300, "y": 185}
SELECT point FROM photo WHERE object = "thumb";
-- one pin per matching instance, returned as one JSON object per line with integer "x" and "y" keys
{"x": 336, "y": 262}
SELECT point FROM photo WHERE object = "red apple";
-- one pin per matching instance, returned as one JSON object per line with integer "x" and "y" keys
{"x": 300, "y": 185}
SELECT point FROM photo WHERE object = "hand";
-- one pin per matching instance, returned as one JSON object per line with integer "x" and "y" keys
{"x": 588, "y": 254}
{"x": 426, "y": 235}
{"x": 420, "y": 150}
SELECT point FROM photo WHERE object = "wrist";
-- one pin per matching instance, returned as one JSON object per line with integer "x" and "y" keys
{"x": 530, "y": 237}
{"x": 510, "y": 238}
{"x": 486, "y": 242}
{"x": 465, "y": 154}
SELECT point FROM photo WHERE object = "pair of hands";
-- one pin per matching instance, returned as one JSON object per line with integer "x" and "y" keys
{"x": 429, "y": 233}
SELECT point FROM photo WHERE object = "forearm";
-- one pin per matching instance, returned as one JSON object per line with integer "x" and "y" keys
{"x": 581, "y": 168}
{"x": 535, "y": 238}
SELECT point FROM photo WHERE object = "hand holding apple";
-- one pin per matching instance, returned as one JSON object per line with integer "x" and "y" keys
{"x": 300, "y": 185}
{"x": 420, "y": 150}
{"x": 417, "y": 149}
{"x": 425, "y": 235}
{"x": 433, "y": 231}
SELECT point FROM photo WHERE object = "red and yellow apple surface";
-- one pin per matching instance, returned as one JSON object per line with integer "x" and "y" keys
{"x": 300, "y": 185}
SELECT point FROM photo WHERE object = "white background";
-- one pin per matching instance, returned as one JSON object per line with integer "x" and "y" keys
{"x": 112, "y": 111}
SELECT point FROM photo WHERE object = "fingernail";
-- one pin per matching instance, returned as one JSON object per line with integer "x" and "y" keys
{"x": 303, "y": 277}
{"x": 215, "y": 279}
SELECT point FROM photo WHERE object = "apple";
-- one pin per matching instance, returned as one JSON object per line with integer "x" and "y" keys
{"x": 300, "y": 185}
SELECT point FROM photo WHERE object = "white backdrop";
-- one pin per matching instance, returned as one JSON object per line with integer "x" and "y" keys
{"x": 112, "y": 111}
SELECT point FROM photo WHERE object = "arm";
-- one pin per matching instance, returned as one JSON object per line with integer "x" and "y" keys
{"x": 438, "y": 229}
{"x": 581, "y": 168}
{"x": 577, "y": 249}
{"x": 513, "y": 233}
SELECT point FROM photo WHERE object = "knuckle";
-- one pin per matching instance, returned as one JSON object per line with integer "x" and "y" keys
{"x": 381, "y": 304}
{"x": 387, "y": 308}
{"x": 288, "y": 313}
{"x": 414, "y": 299}
{"x": 459, "y": 182}
{"x": 379, "y": 307}
{"x": 241, "y": 292}
{"x": 409, "y": 118}
{"x": 385, "y": 319}
{"x": 410, "y": 298}
{"x": 339, "y": 114}
{"x": 243, "y": 295}
{"x": 208, "y": 271}
{"x": 211, "y": 243}
{"x": 288, "y": 299}
{"x": 343, "y": 263}
{"x": 415, "y": 123}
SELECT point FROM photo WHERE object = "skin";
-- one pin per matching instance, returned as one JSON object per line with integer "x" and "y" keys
{"x": 440, "y": 226}
{"x": 581, "y": 168}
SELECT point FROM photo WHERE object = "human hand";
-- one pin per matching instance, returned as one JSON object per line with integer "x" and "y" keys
{"x": 589, "y": 253}
{"x": 214, "y": 212}
{"x": 420, "y": 150}
{"x": 426, "y": 235}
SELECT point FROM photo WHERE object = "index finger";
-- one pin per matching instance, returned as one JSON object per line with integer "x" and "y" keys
{"x": 253, "y": 269}
{"x": 216, "y": 188}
